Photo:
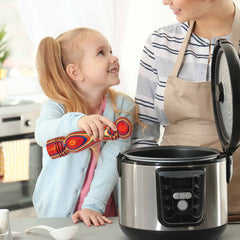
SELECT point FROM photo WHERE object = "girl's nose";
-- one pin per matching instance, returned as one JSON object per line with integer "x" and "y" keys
{"x": 114, "y": 58}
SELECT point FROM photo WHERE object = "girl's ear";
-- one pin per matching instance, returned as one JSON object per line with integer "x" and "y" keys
{"x": 74, "y": 72}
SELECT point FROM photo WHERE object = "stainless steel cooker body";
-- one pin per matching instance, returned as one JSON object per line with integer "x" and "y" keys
{"x": 172, "y": 190}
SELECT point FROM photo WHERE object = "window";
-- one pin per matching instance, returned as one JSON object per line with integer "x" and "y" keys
{"x": 19, "y": 68}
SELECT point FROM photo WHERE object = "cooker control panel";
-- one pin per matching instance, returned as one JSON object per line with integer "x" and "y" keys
{"x": 180, "y": 196}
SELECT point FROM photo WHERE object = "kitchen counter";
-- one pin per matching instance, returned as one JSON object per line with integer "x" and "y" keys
{"x": 107, "y": 232}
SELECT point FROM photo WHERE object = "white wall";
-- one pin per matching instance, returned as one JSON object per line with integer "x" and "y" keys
{"x": 141, "y": 18}
{"x": 126, "y": 24}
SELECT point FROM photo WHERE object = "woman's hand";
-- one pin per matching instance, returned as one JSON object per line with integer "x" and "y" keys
{"x": 90, "y": 217}
{"x": 94, "y": 124}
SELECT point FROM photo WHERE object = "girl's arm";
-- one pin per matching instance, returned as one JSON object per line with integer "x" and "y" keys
{"x": 106, "y": 175}
{"x": 53, "y": 122}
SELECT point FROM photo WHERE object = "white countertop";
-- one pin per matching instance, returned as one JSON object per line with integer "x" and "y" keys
{"x": 107, "y": 232}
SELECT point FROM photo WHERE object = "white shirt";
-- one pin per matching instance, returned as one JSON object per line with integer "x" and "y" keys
{"x": 159, "y": 56}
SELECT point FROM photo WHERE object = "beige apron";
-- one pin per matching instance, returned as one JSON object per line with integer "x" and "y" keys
{"x": 188, "y": 106}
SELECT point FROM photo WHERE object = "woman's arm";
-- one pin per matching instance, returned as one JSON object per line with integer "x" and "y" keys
{"x": 145, "y": 94}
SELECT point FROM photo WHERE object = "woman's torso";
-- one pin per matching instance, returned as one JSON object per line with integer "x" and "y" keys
{"x": 159, "y": 57}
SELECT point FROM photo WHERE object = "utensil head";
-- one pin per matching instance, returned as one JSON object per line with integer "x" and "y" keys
{"x": 64, "y": 233}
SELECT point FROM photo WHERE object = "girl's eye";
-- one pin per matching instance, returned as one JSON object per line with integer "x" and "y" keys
{"x": 101, "y": 53}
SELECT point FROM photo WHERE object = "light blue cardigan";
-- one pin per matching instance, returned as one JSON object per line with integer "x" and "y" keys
{"x": 60, "y": 181}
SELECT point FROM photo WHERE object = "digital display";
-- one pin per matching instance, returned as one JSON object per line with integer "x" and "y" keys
{"x": 182, "y": 182}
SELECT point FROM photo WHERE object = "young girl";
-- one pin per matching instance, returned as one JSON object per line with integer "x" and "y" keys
{"x": 76, "y": 71}
{"x": 174, "y": 88}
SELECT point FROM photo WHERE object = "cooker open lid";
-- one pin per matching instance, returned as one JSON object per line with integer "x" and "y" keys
{"x": 226, "y": 94}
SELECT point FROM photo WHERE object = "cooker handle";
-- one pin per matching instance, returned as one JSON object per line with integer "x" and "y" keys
{"x": 229, "y": 168}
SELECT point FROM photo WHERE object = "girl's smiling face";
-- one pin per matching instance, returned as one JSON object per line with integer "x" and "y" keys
{"x": 99, "y": 67}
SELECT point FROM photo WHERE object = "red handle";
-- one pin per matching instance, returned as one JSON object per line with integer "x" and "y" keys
{"x": 79, "y": 141}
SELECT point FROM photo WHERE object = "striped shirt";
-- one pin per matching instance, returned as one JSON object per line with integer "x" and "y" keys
{"x": 159, "y": 56}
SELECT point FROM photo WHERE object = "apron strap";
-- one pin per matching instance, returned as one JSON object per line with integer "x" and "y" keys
{"x": 235, "y": 37}
{"x": 236, "y": 29}
{"x": 182, "y": 50}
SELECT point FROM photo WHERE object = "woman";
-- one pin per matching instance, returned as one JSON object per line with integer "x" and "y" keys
{"x": 174, "y": 88}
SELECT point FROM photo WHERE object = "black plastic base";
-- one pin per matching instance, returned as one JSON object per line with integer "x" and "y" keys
{"x": 206, "y": 234}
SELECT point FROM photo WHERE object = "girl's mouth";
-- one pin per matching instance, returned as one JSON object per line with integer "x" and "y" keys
{"x": 113, "y": 70}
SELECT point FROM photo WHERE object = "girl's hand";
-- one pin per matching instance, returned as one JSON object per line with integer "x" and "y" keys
{"x": 90, "y": 217}
{"x": 94, "y": 124}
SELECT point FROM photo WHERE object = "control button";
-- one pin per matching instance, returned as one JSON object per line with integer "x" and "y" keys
{"x": 188, "y": 195}
{"x": 182, "y": 205}
{"x": 197, "y": 211}
{"x": 168, "y": 212}
{"x": 182, "y": 195}
{"x": 176, "y": 195}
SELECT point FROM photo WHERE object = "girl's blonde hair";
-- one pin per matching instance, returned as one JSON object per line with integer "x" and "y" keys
{"x": 52, "y": 58}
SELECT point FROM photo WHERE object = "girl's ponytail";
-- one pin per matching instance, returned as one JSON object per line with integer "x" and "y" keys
{"x": 53, "y": 78}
